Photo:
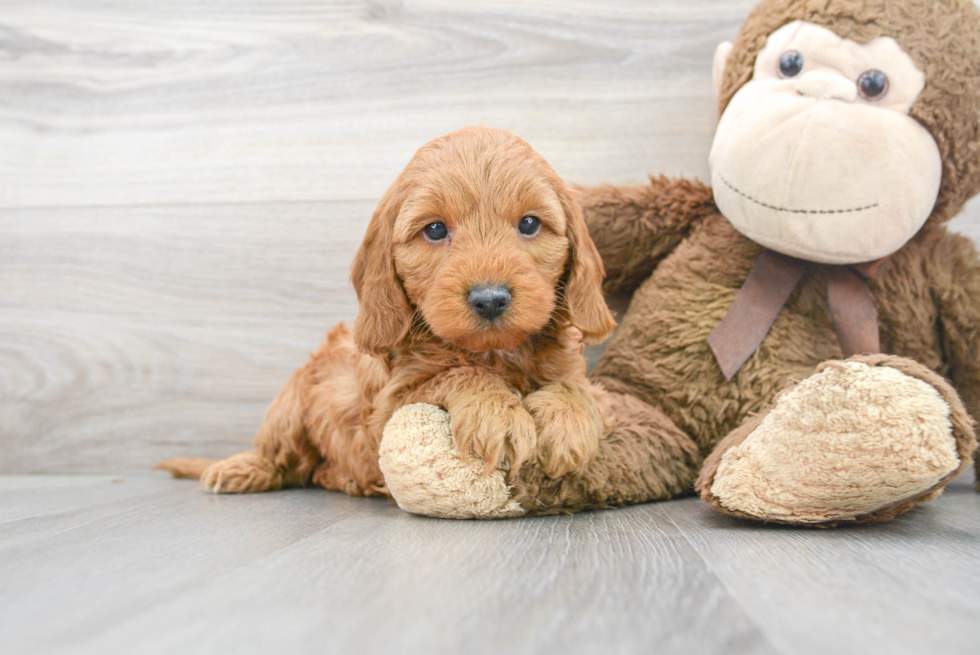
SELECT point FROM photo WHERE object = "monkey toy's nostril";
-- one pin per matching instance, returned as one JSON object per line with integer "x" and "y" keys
{"x": 489, "y": 301}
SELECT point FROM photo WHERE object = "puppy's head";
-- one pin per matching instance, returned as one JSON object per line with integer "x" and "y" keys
{"x": 483, "y": 239}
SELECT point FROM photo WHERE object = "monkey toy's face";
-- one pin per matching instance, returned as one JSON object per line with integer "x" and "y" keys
{"x": 817, "y": 157}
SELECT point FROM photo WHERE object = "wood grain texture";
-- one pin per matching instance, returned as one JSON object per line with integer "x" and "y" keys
{"x": 183, "y": 184}
{"x": 142, "y": 564}
{"x": 130, "y": 334}
{"x": 909, "y": 586}
{"x": 109, "y": 103}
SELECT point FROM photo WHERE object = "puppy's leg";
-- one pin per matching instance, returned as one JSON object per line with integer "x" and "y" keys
{"x": 283, "y": 456}
{"x": 567, "y": 411}
{"x": 313, "y": 417}
{"x": 569, "y": 425}
{"x": 345, "y": 384}
{"x": 247, "y": 472}
{"x": 488, "y": 419}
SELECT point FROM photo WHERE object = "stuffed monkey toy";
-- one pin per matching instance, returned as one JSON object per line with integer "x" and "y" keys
{"x": 802, "y": 341}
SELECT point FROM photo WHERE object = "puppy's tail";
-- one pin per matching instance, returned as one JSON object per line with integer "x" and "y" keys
{"x": 186, "y": 467}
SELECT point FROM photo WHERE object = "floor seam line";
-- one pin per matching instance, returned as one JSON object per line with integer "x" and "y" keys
{"x": 724, "y": 585}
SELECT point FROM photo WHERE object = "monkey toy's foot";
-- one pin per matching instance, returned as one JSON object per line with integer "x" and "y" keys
{"x": 425, "y": 475}
{"x": 860, "y": 440}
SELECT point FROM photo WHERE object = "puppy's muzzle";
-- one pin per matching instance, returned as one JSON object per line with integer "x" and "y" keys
{"x": 489, "y": 302}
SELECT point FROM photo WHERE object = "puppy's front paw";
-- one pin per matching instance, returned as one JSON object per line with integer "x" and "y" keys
{"x": 494, "y": 427}
{"x": 569, "y": 426}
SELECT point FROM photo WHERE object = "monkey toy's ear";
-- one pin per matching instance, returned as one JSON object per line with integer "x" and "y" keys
{"x": 718, "y": 67}
{"x": 385, "y": 314}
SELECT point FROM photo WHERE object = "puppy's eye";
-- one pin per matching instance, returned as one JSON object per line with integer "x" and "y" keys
{"x": 873, "y": 85}
{"x": 436, "y": 231}
{"x": 790, "y": 64}
{"x": 529, "y": 226}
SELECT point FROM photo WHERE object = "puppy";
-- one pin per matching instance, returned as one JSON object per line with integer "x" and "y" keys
{"x": 478, "y": 286}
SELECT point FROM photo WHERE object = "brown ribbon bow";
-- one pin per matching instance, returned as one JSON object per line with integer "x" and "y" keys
{"x": 767, "y": 289}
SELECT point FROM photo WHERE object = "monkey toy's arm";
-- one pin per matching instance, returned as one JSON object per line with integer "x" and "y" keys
{"x": 634, "y": 227}
{"x": 956, "y": 287}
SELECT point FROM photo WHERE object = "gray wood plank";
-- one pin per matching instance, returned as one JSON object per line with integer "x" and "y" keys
{"x": 134, "y": 334}
{"x": 109, "y": 103}
{"x": 312, "y": 571}
{"x": 153, "y": 565}
{"x": 83, "y": 570}
{"x": 34, "y": 496}
{"x": 911, "y": 585}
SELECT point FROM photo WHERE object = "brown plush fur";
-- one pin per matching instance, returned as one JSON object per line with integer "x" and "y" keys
{"x": 684, "y": 263}
{"x": 515, "y": 389}
{"x": 643, "y": 457}
{"x": 928, "y": 301}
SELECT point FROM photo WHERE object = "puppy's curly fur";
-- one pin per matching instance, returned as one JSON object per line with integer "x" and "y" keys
{"x": 515, "y": 386}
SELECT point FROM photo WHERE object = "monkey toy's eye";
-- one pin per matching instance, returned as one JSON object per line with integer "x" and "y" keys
{"x": 873, "y": 85}
{"x": 435, "y": 231}
{"x": 529, "y": 225}
{"x": 790, "y": 64}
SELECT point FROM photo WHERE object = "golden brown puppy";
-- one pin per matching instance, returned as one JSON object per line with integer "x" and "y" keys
{"x": 478, "y": 284}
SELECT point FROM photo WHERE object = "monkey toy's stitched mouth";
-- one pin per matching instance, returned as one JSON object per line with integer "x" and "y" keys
{"x": 793, "y": 211}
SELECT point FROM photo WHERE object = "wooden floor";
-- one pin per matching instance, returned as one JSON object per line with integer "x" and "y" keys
{"x": 142, "y": 564}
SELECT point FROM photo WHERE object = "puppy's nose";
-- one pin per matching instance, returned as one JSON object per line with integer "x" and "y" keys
{"x": 489, "y": 301}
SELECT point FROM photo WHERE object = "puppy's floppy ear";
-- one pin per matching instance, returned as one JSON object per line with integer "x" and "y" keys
{"x": 583, "y": 290}
{"x": 385, "y": 314}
